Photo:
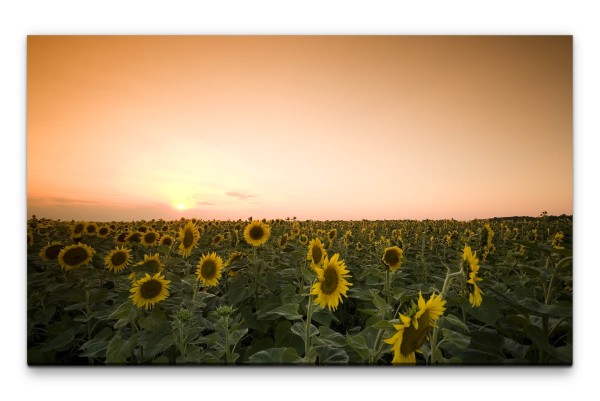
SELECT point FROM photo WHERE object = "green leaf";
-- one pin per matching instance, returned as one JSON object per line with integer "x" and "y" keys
{"x": 359, "y": 344}
{"x": 154, "y": 320}
{"x": 382, "y": 325}
{"x": 455, "y": 321}
{"x": 330, "y": 337}
{"x": 60, "y": 341}
{"x": 299, "y": 329}
{"x": 332, "y": 356}
{"x": 288, "y": 311}
{"x": 460, "y": 340}
{"x": 274, "y": 356}
{"x": 119, "y": 350}
{"x": 380, "y": 303}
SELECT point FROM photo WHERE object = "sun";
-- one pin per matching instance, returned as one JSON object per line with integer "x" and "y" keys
{"x": 180, "y": 206}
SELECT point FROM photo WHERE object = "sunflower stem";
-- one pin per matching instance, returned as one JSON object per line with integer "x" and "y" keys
{"x": 433, "y": 341}
{"x": 227, "y": 351}
{"x": 307, "y": 326}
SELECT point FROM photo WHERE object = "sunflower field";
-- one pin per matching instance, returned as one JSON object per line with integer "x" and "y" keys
{"x": 287, "y": 292}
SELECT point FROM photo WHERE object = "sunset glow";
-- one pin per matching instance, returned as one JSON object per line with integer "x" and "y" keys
{"x": 317, "y": 127}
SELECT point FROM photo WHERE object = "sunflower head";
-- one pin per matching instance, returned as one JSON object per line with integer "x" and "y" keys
{"x": 117, "y": 259}
{"x": 149, "y": 238}
{"x": 414, "y": 329}
{"x": 189, "y": 235}
{"x": 257, "y": 233}
{"x": 209, "y": 269}
{"x": 331, "y": 283}
{"x": 103, "y": 231}
{"x": 470, "y": 260}
{"x": 91, "y": 228}
{"x": 303, "y": 239}
{"x": 150, "y": 264}
{"x": 475, "y": 293}
{"x": 74, "y": 256}
{"x": 331, "y": 234}
{"x": 78, "y": 228}
{"x": 316, "y": 253}
{"x": 283, "y": 241}
{"x": 149, "y": 290}
{"x": 392, "y": 257}
{"x": 134, "y": 237}
{"x": 166, "y": 240}
{"x": 359, "y": 246}
{"x": 51, "y": 251}
{"x": 121, "y": 238}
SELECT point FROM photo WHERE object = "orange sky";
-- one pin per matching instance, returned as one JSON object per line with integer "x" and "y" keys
{"x": 318, "y": 127}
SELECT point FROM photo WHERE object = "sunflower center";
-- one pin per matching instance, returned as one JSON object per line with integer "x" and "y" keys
{"x": 209, "y": 269}
{"x": 135, "y": 237}
{"x": 118, "y": 258}
{"x": 188, "y": 238}
{"x": 91, "y": 229}
{"x": 78, "y": 229}
{"x": 103, "y": 231}
{"x": 75, "y": 256}
{"x": 391, "y": 257}
{"x": 151, "y": 289}
{"x": 150, "y": 237}
{"x": 413, "y": 338}
{"x": 53, "y": 251}
{"x": 256, "y": 232}
{"x": 317, "y": 254}
{"x": 167, "y": 241}
{"x": 330, "y": 281}
{"x": 121, "y": 237}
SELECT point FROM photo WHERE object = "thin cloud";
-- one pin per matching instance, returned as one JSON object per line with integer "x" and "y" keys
{"x": 239, "y": 195}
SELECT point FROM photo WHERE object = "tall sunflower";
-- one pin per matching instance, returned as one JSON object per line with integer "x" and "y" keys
{"x": 189, "y": 235}
{"x": 74, "y": 256}
{"x": 117, "y": 259}
{"x": 331, "y": 282}
{"x": 51, "y": 251}
{"x": 413, "y": 330}
{"x": 209, "y": 269}
{"x": 149, "y": 290}
{"x": 257, "y": 233}
{"x": 134, "y": 237}
{"x": 392, "y": 257}
{"x": 233, "y": 258}
{"x": 316, "y": 253}
{"x": 77, "y": 228}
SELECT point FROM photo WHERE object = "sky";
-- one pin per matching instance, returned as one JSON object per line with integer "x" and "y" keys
{"x": 313, "y": 127}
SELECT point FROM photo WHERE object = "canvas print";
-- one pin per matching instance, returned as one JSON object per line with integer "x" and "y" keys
{"x": 381, "y": 201}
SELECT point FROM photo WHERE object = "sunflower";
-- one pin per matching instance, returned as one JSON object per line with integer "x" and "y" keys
{"x": 151, "y": 263}
{"x": 74, "y": 256}
{"x": 557, "y": 240}
{"x": 103, "y": 231}
{"x": 121, "y": 238}
{"x": 149, "y": 238}
{"x": 332, "y": 234}
{"x": 209, "y": 269}
{"x": 134, "y": 237}
{"x": 316, "y": 252}
{"x": 117, "y": 259}
{"x": 217, "y": 240}
{"x": 77, "y": 228}
{"x": 149, "y": 290}
{"x": 91, "y": 228}
{"x": 359, "y": 247}
{"x": 470, "y": 259}
{"x": 234, "y": 257}
{"x": 303, "y": 239}
{"x": 471, "y": 267}
{"x": 331, "y": 282}
{"x": 29, "y": 238}
{"x": 412, "y": 330}
{"x": 51, "y": 251}
{"x": 392, "y": 257}
{"x": 188, "y": 238}
{"x": 475, "y": 292}
{"x": 283, "y": 241}
{"x": 166, "y": 240}
{"x": 257, "y": 233}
